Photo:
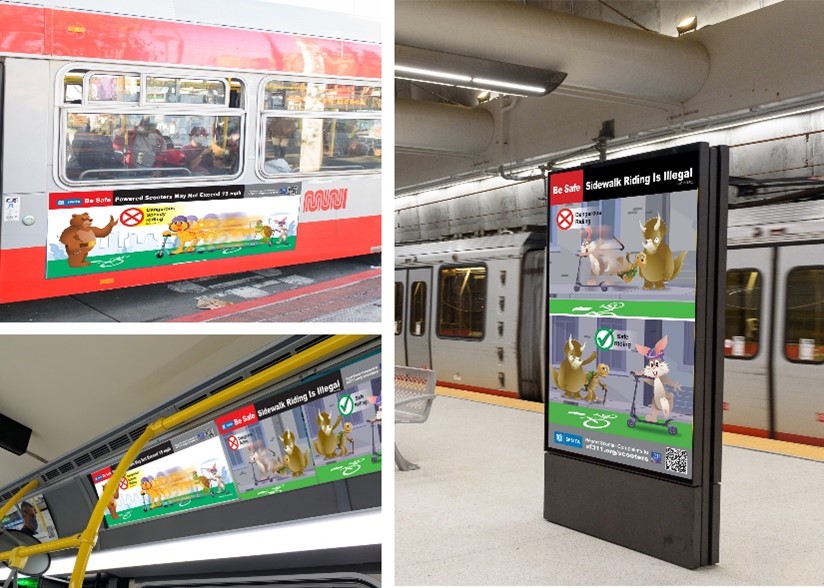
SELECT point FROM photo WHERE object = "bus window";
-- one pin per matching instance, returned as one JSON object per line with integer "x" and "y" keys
{"x": 462, "y": 304}
{"x": 741, "y": 333}
{"x": 321, "y": 97}
{"x": 113, "y": 88}
{"x": 314, "y": 127}
{"x": 804, "y": 315}
{"x": 101, "y": 146}
{"x": 417, "y": 309}
{"x": 182, "y": 91}
{"x": 306, "y": 145}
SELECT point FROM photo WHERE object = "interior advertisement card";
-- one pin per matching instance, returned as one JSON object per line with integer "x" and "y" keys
{"x": 322, "y": 430}
{"x": 186, "y": 472}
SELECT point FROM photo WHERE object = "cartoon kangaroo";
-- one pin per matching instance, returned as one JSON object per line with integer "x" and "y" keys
{"x": 295, "y": 459}
{"x": 326, "y": 443}
{"x": 569, "y": 377}
{"x": 596, "y": 378}
{"x": 658, "y": 266}
{"x": 657, "y": 369}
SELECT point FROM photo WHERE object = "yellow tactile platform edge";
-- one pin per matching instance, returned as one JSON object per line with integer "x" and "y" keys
{"x": 731, "y": 439}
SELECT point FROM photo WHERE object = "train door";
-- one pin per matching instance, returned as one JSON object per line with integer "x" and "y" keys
{"x": 400, "y": 322}
{"x": 747, "y": 340}
{"x": 798, "y": 341}
{"x": 532, "y": 313}
{"x": 418, "y": 317}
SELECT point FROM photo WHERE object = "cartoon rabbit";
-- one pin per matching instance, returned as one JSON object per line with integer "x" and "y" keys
{"x": 588, "y": 249}
{"x": 657, "y": 369}
{"x": 604, "y": 254}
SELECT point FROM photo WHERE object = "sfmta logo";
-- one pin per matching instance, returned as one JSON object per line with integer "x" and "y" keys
{"x": 333, "y": 199}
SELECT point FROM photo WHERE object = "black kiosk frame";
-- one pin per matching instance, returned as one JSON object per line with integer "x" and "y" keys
{"x": 631, "y": 500}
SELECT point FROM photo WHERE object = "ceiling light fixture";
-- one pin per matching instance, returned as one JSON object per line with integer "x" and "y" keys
{"x": 437, "y": 67}
{"x": 432, "y": 73}
{"x": 687, "y": 25}
{"x": 329, "y": 532}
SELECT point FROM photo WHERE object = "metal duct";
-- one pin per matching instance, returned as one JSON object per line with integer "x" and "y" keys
{"x": 442, "y": 127}
{"x": 596, "y": 55}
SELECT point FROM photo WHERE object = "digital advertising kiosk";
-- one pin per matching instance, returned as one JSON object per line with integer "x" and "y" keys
{"x": 636, "y": 275}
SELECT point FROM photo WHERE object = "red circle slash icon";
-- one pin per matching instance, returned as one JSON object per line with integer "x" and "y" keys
{"x": 564, "y": 219}
{"x": 131, "y": 217}
{"x": 124, "y": 484}
{"x": 234, "y": 444}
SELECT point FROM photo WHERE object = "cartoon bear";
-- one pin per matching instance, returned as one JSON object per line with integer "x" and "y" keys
{"x": 79, "y": 238}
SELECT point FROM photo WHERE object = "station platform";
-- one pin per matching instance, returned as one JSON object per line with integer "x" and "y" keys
{"x": 473, "y": 513}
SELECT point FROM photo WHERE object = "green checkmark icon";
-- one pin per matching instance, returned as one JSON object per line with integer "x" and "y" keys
{"x": 604, "y": 339}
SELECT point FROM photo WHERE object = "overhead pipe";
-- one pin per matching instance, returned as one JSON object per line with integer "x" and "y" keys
{"x": 442, "y": 127}
{"x": 596, "y": 55}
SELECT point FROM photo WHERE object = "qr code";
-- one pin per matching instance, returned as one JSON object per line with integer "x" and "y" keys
{"x": 676, "y": 460}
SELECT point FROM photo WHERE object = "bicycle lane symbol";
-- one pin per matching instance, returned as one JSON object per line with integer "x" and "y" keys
{"x": 595, "y": 421}
{"x": 349, "y": 469}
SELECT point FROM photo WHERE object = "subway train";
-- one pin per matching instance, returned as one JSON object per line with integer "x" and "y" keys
{"x": 473, "y": 310}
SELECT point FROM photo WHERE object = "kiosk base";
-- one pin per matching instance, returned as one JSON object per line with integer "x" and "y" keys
{"x": 653, "y": 516}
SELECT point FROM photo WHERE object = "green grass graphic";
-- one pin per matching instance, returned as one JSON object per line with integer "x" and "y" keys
{"x": 559, "y": 415}
{"x": 142, "y": 259}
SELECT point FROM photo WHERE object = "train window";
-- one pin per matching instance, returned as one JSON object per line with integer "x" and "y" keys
{"x": 741, "y": 333}
{"x": 317, "y": 127}
{"x": 398, "y": 308}
{"x": 804, "y": 315}
{"x": 184, "y": 91}
{"x": 417, "y": 309}
{"x": 106, "y": 146}
{"x": 462, "y": 304}
{"x": 113, "y": 87}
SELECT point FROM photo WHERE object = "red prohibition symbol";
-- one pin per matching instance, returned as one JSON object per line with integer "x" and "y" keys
{"x": 124, "y": 484}
{"x": 564, "y": 219}
{"x": 131, "y": 217}
{"x": 234, "y": 444}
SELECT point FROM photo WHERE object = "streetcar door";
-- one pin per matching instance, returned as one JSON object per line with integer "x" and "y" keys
{"x": 747, "y": 339}
{"x": 400, "y": 316}
{"x": 418, "y": 317}
{"x": 799, "y": 344}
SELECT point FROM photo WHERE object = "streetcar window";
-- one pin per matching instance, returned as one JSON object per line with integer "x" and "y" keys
{"x": 804, "y": 315}
{"x": 180, "y": 91}
{"x": 462, "y": 304}
{"x": 305, "y": 145}
{"x": 114, "y": 88}
{"x": 316, "y": 127}
{"x": 417, "y": 309}
{"x": 398, "y": 308}
{"x": 104, "y": 146}
{"x": 741, "y": 332}
{"x": 321, "y": 97}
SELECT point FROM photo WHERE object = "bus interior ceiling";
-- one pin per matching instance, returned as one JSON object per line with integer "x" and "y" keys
{"x": 84, "y": 413}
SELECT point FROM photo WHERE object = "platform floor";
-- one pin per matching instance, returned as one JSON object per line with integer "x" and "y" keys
{"x": 473, "y": 513}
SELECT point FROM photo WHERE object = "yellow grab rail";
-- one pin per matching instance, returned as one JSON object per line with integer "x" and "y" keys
{"x": 86, "y": 540}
